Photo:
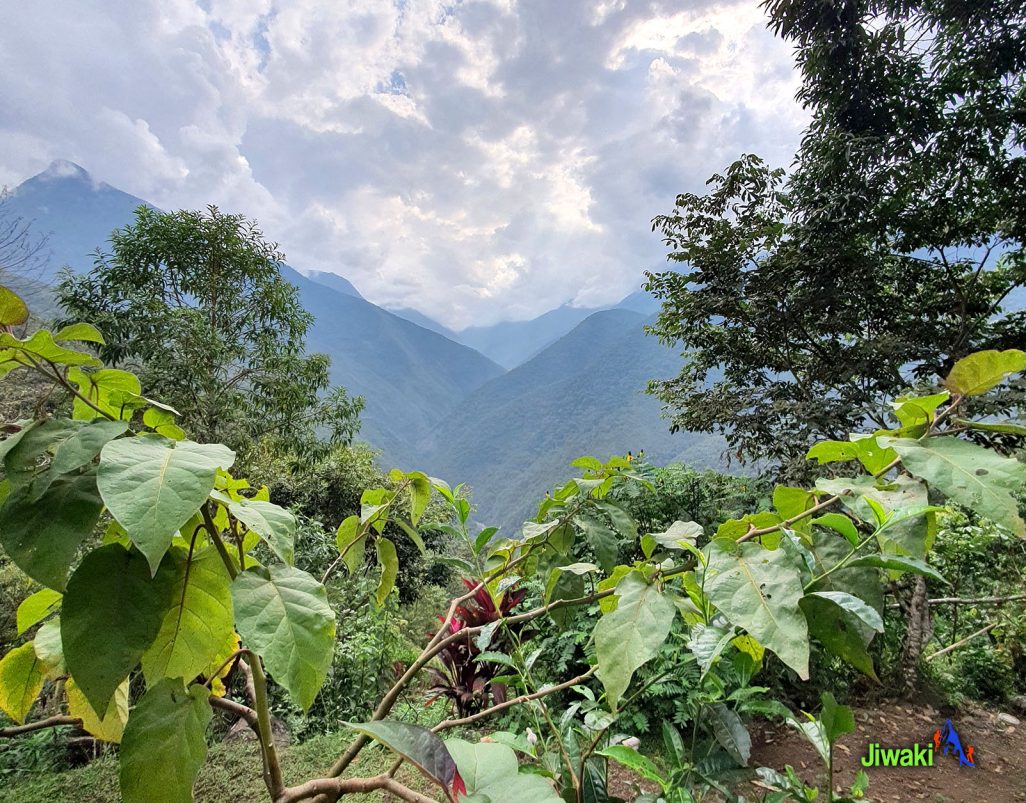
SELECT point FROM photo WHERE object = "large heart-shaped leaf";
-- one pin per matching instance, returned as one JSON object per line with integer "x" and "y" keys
{"x": 842, "y": 623}
{"x": 490, "y": 771}
{"x": 758, "y": 589}
{"x": 165, "y": 744}
{"x": 274, "y": 524}
{"x": 969, "y": 474}
{"x": 43, "y": 536}
{"x": 197, "y": 624}
{"x": 153, "y": 485}
{"x": 112, "y": 612}
{"x": 282, "y": 614}
{"x": 631, "y": 635}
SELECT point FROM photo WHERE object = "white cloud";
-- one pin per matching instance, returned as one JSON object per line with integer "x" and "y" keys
{"x": 474, "y": 160}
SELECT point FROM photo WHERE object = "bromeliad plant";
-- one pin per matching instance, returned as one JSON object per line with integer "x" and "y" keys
{"x": 144, "y": 545}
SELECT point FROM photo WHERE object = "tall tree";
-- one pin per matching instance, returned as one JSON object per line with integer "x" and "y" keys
{"x": 887, "y": 253}
{"x": 195, "y": 301}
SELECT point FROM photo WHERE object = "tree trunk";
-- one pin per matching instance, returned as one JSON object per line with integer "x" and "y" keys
{"x": 920, "y": 629}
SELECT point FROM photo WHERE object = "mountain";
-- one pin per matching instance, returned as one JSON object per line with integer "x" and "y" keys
{"x": 419, "y": 318}
{"x": 409, "y": 376}
{"x": 515, "y": 436}
{"x": 334, "y": 281}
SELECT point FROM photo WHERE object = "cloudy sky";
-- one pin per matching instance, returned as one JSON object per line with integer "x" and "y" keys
{"x": 477, "y": 160}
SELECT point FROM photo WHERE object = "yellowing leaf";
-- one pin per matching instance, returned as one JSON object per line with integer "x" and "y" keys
{"x": 984, "y": 370}
{"x": 109, "y": 727}
{"x": 21, "y": 680}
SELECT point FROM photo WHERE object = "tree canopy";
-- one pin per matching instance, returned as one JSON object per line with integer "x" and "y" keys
{"x": 196, "y": 302}
{"x": 888, "y": 252}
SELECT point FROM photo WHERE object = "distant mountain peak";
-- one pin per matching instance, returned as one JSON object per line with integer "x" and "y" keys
{"x": 64, "y": 168}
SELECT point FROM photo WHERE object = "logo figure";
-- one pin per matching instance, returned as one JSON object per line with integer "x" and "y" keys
{"x": 951, "y": 741}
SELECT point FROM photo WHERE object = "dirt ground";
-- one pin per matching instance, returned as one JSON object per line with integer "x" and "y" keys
{"x": 999, "y": 752}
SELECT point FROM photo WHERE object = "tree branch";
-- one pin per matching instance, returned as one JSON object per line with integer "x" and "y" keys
{"x": 334, "y": 788}
{"x": 962, "y": 642}
{"x": 42, "y": 724}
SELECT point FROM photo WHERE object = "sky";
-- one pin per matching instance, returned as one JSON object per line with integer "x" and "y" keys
{"x": 478, "y": 161}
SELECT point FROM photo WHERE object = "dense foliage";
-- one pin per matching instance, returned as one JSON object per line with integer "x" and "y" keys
{"x": 804, "y": 301}
{"x": 194, "y": 301}
{"x": 162, "y": 573}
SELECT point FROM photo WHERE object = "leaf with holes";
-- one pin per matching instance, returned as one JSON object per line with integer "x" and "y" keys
{"x": 758, "y": 589}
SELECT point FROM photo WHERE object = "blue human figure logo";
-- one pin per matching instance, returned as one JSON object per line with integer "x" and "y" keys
{"x": 951, "y": 741}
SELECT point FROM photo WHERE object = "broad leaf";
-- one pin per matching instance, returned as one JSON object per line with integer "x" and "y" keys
{"x": 730, "y": 732}
{"x": 351, "y": 540}
{"x": 282, "y": 614}
{"x": 687, "y": 531}
{"x": 41, "y": 345}
{"x": 153, "y": 486}
{"x": 707, "y": 642}
{"x": 165, "y": 744}
{"x": 634, "y": 761}
{"x": 49, "y": 649}
{"x": 112, "y": 612}
{"x": 984, "y": 370}
{"x": 109, "y": 391}
{"x": 276, "y": 525}
{"x": 630, "y": 636}
{"x": 81, "y": 333}
{"x": 758, "y": 589}
{"x": 418, "y": 745}
{"x": 602, "y": 539}
{"x": 13, "y": 311}
{"x": 968, "y": 474}
{"x": 899, "y": 563}
{"x": 108, "y": 728}
{"x": 490, "y": 772}
{"x": 389, "y": 562}
{"x": 21, "y": 679}
{"x": 36, "y": 607}
{"x": 197, "y": 624}
{"x": 43, "y": 536}
{"x": 839, "y": 630}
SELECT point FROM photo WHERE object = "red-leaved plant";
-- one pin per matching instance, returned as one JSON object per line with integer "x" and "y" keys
{"x": 466, "y": 681}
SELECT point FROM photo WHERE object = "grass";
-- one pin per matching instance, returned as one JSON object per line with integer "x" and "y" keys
{"x": 232, "y": 772}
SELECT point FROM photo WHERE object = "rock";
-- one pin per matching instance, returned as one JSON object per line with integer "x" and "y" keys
{"x": 1018, "y": 703}
{"x": 1008, "y": 719}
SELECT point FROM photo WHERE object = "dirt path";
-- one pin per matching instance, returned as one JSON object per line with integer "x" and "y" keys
{"x": 999, "y": 752}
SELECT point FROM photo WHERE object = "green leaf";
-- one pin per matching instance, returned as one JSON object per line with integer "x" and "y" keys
{"x": 49, "y": 649}
{"x": 622, "y": 520}
{"x": 389, "y": 563}
{"x": 630, "y": 636}
{"x": 899, "y": 563}
{"x": 853, "y": 605}
{"x": 41, "y": 345}
{"x": 792, "y": 502}
{"x": 1010, "y": 427}
{"x": 420, "y": 495}
{"x": 984, "y": 370}
{"x": 43, "y": 536}
{"x": 418, "y": 745}
{"x": 839, "y": 523}
{"x": 730, "y": 732}
{"x": 837, "y": 629}
{"x": 112, "y": 612}
{"x": 968, "y": 474}
{"x": 165, "y": 744}
{"x": 351, "y": 540}
{"x": 153, "y": 486}
{"x": 707, "y": 642}
{"x": 758, "y": 589}
{"x": 837, "y": 719}
{"x": 483, "y": 538}
{"x": 282, "y": 614}
{"x": 602, "y": 539}
{"x": 13, "y": 311}
{"x": 634, "y": 761}
{"x": 36, "y": 607}
{"x": 687, "y": 531}
{"x": 81, "y": 332}
{"x": 199, "y": 622}
{"x": 274, "y": 524}
{"x": 21, "y": 680}
{"x": 491, "y": 773}
{"x": 112, "y": 391}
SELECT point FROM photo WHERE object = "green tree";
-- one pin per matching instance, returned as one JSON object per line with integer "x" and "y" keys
{"x": 195, "y": 302}
{"x": 888, "y": 253}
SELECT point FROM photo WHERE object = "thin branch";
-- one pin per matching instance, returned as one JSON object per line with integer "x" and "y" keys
{"x": 977, "y": 600}
{"x": 42, "y": 724}
{"x": 962, "y": 642}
